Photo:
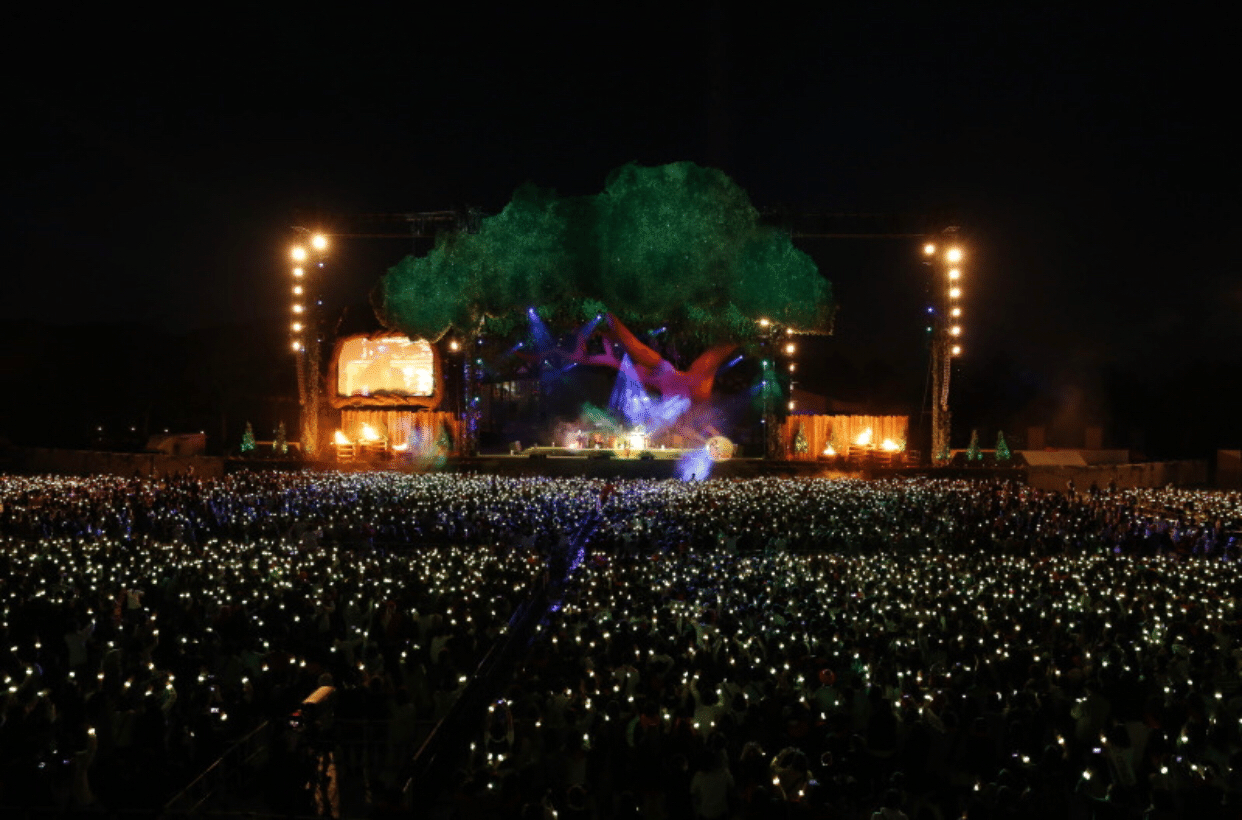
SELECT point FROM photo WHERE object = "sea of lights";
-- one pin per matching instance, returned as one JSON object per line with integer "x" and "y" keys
{"x": 934, "y": 591}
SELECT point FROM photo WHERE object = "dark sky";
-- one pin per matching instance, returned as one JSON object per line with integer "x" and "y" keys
{"x": 158, "y": 162}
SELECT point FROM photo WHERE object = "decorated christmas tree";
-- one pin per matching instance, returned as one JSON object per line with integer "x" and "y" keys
{"x": 973, "y": 453}
{"x": 280, "y": 441}
{"x": 444, "y": 441}
{"x": 247, "y": 442}
{"x": 799, "y": 442}
{"x": 1002, "y": 449}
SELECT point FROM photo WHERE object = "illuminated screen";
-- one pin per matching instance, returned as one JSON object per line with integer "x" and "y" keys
{"x": 391, "y": 366}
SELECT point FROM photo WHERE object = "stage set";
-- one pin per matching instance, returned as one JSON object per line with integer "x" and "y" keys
{"x": 654, "y": 322}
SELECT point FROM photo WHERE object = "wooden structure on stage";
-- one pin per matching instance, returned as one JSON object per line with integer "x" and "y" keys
{"x": 878, "y": 441}
{"x": 396, "y": 432}
{"x": 389, "y": 389}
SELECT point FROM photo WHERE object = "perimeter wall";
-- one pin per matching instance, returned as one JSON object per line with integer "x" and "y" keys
{"x": 1146, "y": 474}
{"x": 91, "y": 462}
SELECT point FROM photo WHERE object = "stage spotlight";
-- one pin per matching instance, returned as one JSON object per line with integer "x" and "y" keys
{"x": 929, "y": 249}
{"x": 298, "y": 272}
{"x": 955, "y": 273}
{"x": 298, "y": 253}
{"x": 955, "y": 293}
{"x": 957, "y": 350}
{"x": 319, "y": 242}
{"x": 956, "y": 330}
{"x": 954, "y": 255}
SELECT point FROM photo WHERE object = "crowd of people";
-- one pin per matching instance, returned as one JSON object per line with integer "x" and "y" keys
{"x": 759, "y": 648}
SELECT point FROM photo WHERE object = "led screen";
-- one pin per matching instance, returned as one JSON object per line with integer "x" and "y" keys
{"x": 389, "y": 366}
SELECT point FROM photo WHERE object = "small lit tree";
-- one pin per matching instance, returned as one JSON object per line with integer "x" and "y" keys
{"x": 799, "y": 442}
{"x": 280, "y": 442}
{"x": 973, "y": 453}
{"x": 1003, "y": 453}
{"x": 247, "y": 442}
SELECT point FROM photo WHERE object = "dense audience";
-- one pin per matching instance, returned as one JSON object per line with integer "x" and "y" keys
{"x": 723, "y": 649}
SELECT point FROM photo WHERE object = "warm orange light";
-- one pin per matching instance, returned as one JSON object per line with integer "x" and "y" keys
{"x": 791, "y": 405}
{"x": 454, "y": 346}
{"x": 298, "y": 272}
{"x": 955, "y": 293}
{"x": 954, "y": 255}
{"x": 955, "y": 312}
{"x": 297, "y": 290}
{"x": 956, "y": 330}
{"x": 864, "y": 438}
{"x": 955, "y": 273}
{"x": 764, "y": 323}
{"x": 890, "y": 446}
{"x": 929, "y": 249}
{"x": 341, "y": 438}
{"x": 298, "y": 253}
{"x": 957, "y": 350}
{"x": 297, "y": 327}
{"x": 319, "y": 242}
{"x": 297, "y": 346}
{"x": 790, "y": 348}
{"x": 297, "y": 308}
{"x": 828, "y": 451}
{"x": 369, "y": 434}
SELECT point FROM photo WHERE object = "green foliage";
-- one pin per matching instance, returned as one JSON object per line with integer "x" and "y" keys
{"x": 247, "y": 442}
{"x": 1002, "y": 449}
{"x": 675, "y": 244}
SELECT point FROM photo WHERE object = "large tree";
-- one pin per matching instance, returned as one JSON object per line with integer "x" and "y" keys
{"x": 677, "y": 246}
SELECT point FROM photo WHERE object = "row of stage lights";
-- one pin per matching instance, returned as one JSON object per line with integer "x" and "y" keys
{"x": 952, "y": 260}
{"x": 301, "y": 257}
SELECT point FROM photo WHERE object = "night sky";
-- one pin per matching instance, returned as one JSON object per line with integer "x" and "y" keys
{"x": 1085, "y": 154}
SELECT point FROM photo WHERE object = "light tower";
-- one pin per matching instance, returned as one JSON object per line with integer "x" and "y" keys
{"x": 306, "y": 331}
{"x": 945, "y": 258}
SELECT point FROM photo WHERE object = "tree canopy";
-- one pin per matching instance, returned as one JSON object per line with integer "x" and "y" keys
{"x": 676, "y": 245}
